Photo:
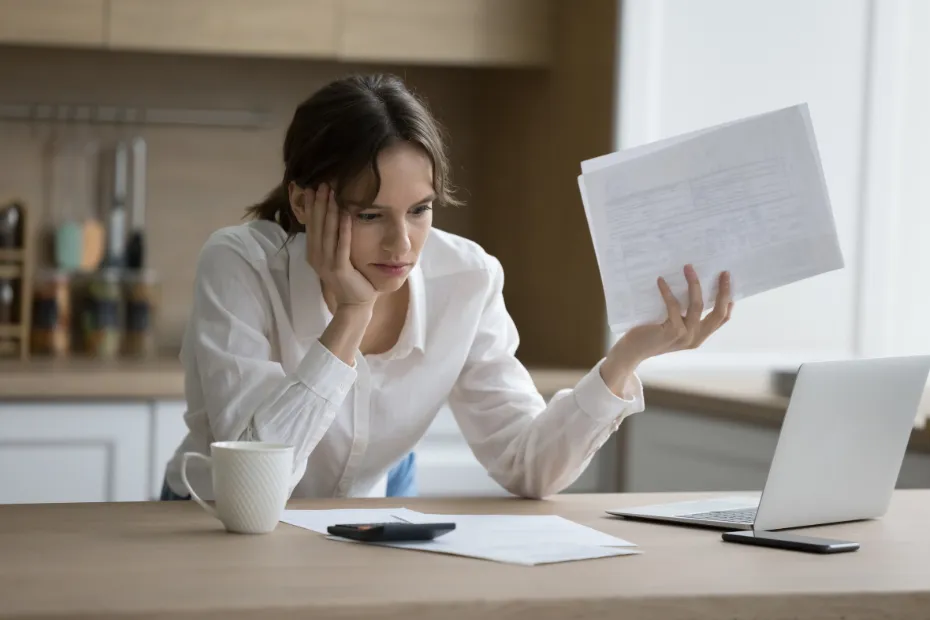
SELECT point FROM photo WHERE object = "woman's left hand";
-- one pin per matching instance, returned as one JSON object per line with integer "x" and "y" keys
{"x": 681, "y": 330}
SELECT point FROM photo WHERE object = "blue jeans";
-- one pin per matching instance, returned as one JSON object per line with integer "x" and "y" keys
{"x": 401, "y": 482}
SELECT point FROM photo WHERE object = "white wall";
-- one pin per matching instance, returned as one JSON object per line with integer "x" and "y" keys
{"x": 686, "y": 64}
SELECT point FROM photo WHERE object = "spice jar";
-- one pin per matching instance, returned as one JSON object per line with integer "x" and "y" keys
{"x": 101, "y": 315}
{"x": 51, "y": 314}
{"x": 140, "y": 296}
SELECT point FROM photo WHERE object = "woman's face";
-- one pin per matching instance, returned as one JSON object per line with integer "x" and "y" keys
{"x": 387, "y": 237}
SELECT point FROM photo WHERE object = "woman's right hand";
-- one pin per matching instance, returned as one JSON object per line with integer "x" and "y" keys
{"x": 329, "y": 239}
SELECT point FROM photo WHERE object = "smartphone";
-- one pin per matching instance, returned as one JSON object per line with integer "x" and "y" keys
{"x": 787, "y": 540}
{"x": 391, "y": 532}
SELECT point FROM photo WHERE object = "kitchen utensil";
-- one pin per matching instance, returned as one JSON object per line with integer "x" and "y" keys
{"x": 93, "y": 244}
{"x": 135, "y": 251}
{"x": 69, "y": 237}
{"x": 116, "y": 243}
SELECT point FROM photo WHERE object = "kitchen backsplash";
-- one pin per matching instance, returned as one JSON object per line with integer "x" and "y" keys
{"x": 197, "y": 178}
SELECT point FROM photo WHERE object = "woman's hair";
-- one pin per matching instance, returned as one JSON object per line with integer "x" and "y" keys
{"x": 337, "y": 134}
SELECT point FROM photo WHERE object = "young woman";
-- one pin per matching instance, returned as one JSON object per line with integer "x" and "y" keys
{"x": 338, "y": 321}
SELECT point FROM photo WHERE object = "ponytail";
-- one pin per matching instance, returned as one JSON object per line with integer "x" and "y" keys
{"x": 276, "y": 207}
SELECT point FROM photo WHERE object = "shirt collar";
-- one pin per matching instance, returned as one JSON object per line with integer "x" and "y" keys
{"x": 306, "y": 294}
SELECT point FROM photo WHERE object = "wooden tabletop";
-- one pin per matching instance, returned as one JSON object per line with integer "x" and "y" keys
{"x": 170, "y": 560}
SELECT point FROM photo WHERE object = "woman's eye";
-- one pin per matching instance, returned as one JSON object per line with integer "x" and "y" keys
{"x": 421, "y": 209}
{"x": 367, "y": 217}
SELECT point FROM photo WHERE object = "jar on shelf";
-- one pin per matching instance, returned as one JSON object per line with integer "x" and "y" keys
{"x": 101, "y": 314}
{"x": 140, "y": 295}
{"x": 51, "y": 314}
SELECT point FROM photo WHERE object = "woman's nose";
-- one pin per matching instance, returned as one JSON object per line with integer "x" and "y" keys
{"x": 397, "y": 240}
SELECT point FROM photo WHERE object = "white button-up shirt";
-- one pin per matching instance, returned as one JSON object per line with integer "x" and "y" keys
{"x": 255, "y": 369}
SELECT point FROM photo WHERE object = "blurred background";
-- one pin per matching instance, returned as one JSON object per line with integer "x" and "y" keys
{"x": 132, "y": 129}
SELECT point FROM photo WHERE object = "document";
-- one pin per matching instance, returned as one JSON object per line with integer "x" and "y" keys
{"x": 748, "y": 196}
{"x": 514, "y": 539}
{"x": 518, "y": 539}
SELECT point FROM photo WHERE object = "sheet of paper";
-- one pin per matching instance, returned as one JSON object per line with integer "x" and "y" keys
{"x": 517, "y": 539}
{"x": 520, "y": 553}
{"x": 522, "y": 529}
{"x": 748, "y": 196}
{"x": 514, "y": 539}
{"x": 319, "y": 520}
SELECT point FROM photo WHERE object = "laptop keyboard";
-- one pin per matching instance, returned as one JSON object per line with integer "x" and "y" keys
{"x": 742, "y": 515}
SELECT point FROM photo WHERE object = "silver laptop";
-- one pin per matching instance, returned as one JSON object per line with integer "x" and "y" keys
{"x": 838, "y": 455}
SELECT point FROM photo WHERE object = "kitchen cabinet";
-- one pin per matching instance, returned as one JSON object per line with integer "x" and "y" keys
{"x": 669, "y": 450}
{"x": 470, "y": 32}
{"x": 74, "y": 452}
{"x": 454, "y": 32}
{"x": 306, "y": 28}
{"x": 53, "y": 22}
{"x": 168, "y": 430}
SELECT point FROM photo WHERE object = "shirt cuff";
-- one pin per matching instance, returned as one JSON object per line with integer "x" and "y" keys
{"x": 324, "y": 374}
{"x": 595, "y": 398}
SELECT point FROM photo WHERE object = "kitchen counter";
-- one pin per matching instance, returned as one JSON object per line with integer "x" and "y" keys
{"x": 739, "y": 395}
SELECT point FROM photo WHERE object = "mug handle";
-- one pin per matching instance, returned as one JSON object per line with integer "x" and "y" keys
{"x": 187, "y": 455}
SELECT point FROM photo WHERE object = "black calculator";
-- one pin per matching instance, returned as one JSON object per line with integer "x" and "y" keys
{"x": 390, "y": 532}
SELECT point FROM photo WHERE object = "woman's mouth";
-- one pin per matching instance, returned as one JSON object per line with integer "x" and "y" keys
{"x": 393, "y": 269}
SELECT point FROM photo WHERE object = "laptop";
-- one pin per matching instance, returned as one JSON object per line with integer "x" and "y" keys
{"x": 838, "y": 455}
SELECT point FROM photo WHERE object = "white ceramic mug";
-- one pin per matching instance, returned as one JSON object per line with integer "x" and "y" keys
{"x": 251, "y": 480}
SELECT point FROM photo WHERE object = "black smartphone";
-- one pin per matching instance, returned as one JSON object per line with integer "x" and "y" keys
{"x": 794, "y": 542}
{"x": 391, "y": 532}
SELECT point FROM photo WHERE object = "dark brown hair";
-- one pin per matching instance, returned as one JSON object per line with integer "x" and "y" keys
{"x": 337, "y": 134}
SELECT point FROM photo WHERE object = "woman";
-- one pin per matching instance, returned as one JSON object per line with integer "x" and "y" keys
{"x": 338, "y": 321}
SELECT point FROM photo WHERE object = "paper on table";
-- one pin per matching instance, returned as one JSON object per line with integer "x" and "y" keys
{"x": 515, "y": 539}
{"x": 748, "y": 196}
{"x": 520, "y": 553}
{"x": 531, "y": 529}
{"x": 319, "y": 520}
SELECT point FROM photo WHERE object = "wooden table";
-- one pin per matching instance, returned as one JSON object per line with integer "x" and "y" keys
{"x": 170, "y": 560}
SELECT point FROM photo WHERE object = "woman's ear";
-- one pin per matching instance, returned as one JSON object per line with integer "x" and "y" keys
{"x": 298, "y": 199}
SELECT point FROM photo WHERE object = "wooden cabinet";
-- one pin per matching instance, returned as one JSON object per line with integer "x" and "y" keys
{"x": 52, "y": 22}
{"x": 516, "y": 32}
{"x": 75, "y": 452}
{"x": 469, "y": 32}
{"x": 306, "y": 28}
{"x": 454, "y": 32}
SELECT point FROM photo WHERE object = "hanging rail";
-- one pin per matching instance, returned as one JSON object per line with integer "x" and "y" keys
{"x": 129, "y": 115}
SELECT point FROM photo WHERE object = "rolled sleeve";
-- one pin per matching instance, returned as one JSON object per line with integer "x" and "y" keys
{"x": 325, "y": 375}
{"x": 598, "y": 401}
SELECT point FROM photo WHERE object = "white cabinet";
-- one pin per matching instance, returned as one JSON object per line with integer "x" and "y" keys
{"x": 668, "y": 450}
{"x": 74, "y": 452}
{"x": 168, "y": 430}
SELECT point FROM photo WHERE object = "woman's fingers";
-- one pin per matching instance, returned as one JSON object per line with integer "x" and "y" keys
{"x": 344, "y": 244}
{"x": 695, "y": 301}
{"x": 330, "y": 230}
{"x": 722, "y": 303}
{"x": 673, "y": 307}
{"x": 721, "y": 312}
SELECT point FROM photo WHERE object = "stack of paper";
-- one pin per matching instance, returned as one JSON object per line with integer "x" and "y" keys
{"x": 527, "y": 540}
{"x": 747, "y": 196}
